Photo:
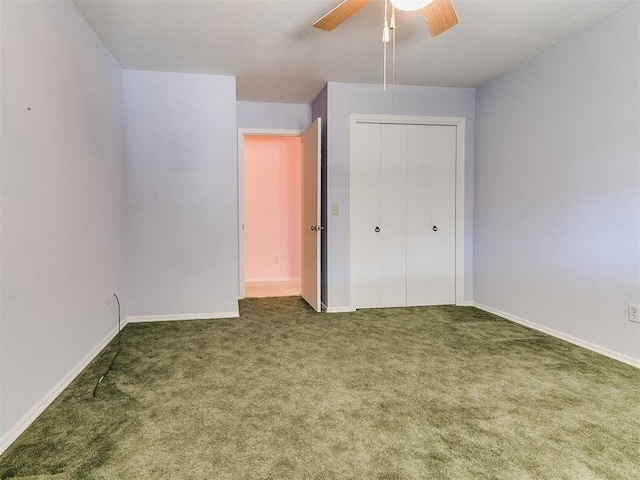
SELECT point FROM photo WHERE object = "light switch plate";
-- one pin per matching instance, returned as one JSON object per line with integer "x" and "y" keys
{"x": 335, "y": 209}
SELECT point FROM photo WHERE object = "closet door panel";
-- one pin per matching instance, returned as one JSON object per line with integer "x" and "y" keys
{"x": 442, "y": 151}
{"x": 393, "y": 216}
{"x": 365, "y": 212}
{"x": 419, "y": 223}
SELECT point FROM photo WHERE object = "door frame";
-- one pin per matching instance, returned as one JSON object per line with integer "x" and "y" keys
{"x": 242, "y": 132}
{"x": 459, "y": 123}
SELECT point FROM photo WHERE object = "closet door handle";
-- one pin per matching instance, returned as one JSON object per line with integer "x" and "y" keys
{"x": 377, "y": 229}
{"x": 435, "y": 228}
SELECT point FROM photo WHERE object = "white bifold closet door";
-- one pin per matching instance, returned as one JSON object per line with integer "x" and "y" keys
{"x": 403, "y": 215}
{"x": 365, "y": 216}
{"x": 431, "y": 205}
{"x": 393, "y": 216}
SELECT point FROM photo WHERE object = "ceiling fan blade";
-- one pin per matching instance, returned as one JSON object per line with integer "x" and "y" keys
{"x": 339, "y": 14}
{"x": 440, "y": 16}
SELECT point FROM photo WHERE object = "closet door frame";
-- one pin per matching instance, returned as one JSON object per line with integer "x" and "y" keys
{"x": 459, "y": 123}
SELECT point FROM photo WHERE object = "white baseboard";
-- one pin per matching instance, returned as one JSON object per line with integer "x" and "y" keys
{"x": 335, "y": 309}
{"x": 272, "y": 280}
{"x": 466, "y": 303}
{"x": 563, "y": 336}
{"x": 17, "y": 430}
{"x": 184, "y": 316}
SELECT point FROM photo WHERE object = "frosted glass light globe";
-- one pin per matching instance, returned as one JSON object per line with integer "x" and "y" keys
{"x": 410, "y": 5}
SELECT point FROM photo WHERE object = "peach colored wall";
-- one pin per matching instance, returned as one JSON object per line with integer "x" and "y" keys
{"x": 271, "y": 207}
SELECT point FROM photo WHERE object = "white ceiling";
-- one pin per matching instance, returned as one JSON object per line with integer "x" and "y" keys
{"x": 276, "y": 55}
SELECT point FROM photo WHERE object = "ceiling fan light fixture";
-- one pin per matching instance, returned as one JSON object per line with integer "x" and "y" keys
{"x": 410, "y": 5}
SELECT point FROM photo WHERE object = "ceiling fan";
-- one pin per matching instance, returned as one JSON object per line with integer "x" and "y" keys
{"x": 438, "y": 14}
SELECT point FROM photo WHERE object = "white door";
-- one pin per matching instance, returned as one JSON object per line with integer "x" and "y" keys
{"x": 403, "y": 215}
{"x": 431, "y": 213}
{"x": 380, "y": 178}
{"x": 311, "y": 230}
{"x": 365, "y": 277}
{"x": 442, "y": 149}
{"x": 393, "y": 216}
{"x": 419, "y": 194}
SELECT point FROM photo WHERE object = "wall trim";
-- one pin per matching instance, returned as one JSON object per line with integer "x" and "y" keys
{"x": 326, "y": 309}
{"x": 339, "y": 309}
{"x": 17, "y": 430}
{"x": 634, "y": 362}
{"x": 183, "y": 316}
{"x": 271, "y": 280}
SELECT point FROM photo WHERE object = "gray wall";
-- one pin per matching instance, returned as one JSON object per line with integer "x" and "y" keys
{"x": 345, "y": 99}
{"x": 182, "y": 193}
{"x": 62, "y": 195}
{"x": 319, "y": 110}
{"x": 557, "y": 207}
{"x": 286, "y": 116}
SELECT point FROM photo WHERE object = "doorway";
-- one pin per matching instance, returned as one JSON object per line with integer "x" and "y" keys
{"x": 270, "y": 213}
{"x": 307, "y": 190}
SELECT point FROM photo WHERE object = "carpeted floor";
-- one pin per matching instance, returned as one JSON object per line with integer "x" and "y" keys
{"x": 285, "y": 393}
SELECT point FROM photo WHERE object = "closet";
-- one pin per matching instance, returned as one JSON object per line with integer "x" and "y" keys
{"x": 403, "y": 215}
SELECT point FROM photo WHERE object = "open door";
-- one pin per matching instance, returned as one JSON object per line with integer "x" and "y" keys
{"x": 311, "y": 229}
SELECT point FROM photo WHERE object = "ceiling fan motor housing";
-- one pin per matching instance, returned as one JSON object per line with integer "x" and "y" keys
{"x": 410, "y": 5}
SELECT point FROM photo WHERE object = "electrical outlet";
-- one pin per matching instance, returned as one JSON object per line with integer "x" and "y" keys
{"x": 110, "y": 296}
{"x": 634, "y": 313}
{"x": 276, "y": 259}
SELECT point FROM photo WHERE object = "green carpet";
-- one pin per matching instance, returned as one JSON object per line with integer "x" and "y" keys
{"x": 285, "y": 393}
